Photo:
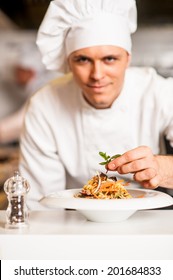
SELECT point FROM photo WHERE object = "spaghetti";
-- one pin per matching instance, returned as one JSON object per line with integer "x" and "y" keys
{"x": 102, "y": 187}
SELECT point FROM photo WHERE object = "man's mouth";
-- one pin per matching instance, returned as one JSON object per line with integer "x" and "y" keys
{"x": 96, "y": 86}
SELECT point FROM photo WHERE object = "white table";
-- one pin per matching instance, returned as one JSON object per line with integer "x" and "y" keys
{"x": 64, "y": 235}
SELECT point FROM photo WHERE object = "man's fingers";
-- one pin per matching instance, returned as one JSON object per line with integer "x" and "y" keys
{"x": 137, "y": 165}
{"x": 145, "y": 175}
{"x": 151, "y": 184}
{"x": 130, "y": 156}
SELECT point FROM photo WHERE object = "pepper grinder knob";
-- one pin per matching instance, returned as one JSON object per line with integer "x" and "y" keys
{"x": 16, "y": 189}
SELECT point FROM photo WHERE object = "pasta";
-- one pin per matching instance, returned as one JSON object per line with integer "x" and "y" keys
{"x": 102, "y": 187}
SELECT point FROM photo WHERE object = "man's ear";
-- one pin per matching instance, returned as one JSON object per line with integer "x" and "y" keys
{"x": 129, "y": 58}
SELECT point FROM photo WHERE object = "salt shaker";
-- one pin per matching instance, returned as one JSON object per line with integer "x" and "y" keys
{"x": 16, "y": 189}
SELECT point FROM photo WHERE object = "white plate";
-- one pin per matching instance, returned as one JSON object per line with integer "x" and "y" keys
{"x": 112, "y": 210}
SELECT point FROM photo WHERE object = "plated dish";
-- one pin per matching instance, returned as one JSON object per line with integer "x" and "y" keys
{"x": 109, "y": 210}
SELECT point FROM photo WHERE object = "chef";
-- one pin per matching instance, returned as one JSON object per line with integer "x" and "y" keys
{"x": 100, "y": 104}
{"x": 28, "y": 75}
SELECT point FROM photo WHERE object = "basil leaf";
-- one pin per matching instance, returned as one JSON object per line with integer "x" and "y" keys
{"x": 107, "y": 158}
{"x": 115, "y": 156}
{"x": 103, "y": 155}
{"x": 103, "y": 163}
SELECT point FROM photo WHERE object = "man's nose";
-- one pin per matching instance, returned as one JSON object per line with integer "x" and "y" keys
{"x": 97, "y": 71}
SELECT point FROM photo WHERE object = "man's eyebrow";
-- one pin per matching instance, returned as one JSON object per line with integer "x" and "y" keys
{"x": 112, "y": 55}
{"x": 80, "y": 55}
{"x": 77, "y": 56}
{"x": 84, "y": 55}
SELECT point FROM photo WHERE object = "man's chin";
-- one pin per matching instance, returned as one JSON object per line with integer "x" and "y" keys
{"x": 98, "y": 100}
{"x": 101, "y": 104}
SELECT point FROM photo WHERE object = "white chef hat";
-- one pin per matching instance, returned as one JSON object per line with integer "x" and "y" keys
{"x": 70, "y": 25}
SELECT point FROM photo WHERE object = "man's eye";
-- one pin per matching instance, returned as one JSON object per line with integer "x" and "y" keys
{"x": 110, "y": 59}
{"x": 82, "y": 59}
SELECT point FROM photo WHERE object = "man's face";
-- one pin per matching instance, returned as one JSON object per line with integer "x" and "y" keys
{"x": 99, "y": 71}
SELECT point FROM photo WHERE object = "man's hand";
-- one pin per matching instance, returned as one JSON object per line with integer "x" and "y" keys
{"x": 149, "y": 170}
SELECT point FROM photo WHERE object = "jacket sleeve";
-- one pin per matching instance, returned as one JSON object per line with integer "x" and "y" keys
{"x": 40, "y": 163}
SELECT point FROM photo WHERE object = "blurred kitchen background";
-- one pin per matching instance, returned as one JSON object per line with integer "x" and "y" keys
{"x": 19, "y": 21}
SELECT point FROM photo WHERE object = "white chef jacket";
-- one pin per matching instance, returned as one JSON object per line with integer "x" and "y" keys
{"x": 63, "y": 134}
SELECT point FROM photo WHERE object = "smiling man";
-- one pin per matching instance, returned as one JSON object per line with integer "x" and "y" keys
{"x": 103, "y": 105}
{"x": 99, "y": 71}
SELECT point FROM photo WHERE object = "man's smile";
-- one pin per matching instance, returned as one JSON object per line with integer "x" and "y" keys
{"x": 98, "y": 86}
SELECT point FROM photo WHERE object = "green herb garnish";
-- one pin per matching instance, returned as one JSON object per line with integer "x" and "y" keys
{"x": 107, "y": 158}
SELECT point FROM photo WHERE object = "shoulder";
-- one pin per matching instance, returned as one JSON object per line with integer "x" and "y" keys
{"x": 148, "y": 87}
{"x": 54, "y": 90}
{"x": 144, "y": 73}
{"x": 147, "y": 77}
{"x": 60, "y": 96}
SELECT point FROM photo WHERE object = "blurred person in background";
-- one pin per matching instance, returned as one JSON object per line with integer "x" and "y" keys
{"x": 28, "y": 74}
